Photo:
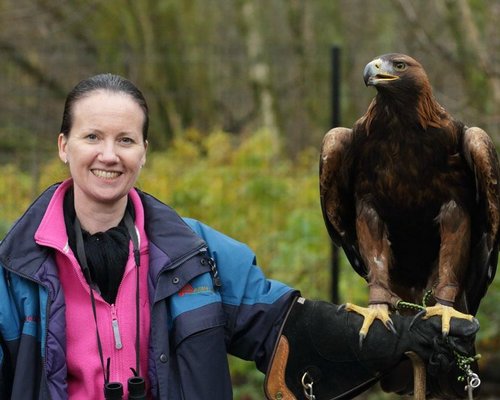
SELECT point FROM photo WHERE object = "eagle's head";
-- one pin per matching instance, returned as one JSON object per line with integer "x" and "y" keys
{"x": 403, "y": 91}
{"x": 396, "y": 74}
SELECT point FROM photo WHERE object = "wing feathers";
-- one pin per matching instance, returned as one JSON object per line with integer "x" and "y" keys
{"x": 481, "y": 156}
{"x": 337, "y": 199}
{"x": 334, "y": 170}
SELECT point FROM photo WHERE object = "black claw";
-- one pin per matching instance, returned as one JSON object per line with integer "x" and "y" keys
{"x": 341, "y": 308}
{"x": 445, "y": 335}
{"x": 361, "y": 340}
{"x": 419, "y": 314}
{"x": 390, "y": 326}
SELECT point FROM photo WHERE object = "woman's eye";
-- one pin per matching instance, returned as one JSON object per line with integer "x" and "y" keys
{"x": 400, "y": 66}
{"x": 91, "y": 137}
{"x": 127, "y": 140}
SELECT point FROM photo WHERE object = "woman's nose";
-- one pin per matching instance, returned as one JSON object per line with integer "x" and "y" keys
{"x": 108, "y": 153}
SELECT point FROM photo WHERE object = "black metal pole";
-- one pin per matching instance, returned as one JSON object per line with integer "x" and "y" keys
{"x": 335, "y": 121}
{"x": 335, "y": 60}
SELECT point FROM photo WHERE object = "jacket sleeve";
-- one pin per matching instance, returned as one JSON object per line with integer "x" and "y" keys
{"x": 9, "y": 334}
{"x": 20, "y": 358}
{"x": 255, "y": 306}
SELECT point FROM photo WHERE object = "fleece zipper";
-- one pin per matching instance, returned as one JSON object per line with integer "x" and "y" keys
{"x": 116, "y": 328}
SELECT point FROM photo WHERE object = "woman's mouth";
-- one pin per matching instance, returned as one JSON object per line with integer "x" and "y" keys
{"x": 105, "y": 174}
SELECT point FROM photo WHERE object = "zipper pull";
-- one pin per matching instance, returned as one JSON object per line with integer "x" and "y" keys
{"x": 215, "y": 272}
{"x": 116, "y": 329}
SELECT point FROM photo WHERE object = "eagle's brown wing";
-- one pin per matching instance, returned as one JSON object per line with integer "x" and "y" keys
{"x": 481, "y": 156}
{"x": 336, "y": 196}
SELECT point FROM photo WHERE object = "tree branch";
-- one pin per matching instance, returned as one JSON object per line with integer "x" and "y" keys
{"x": 408, "y": 11}
{"x": 33, "y": 70}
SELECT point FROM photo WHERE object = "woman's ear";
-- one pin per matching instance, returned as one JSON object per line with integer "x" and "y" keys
{"x": 145, "y": 151}
{"x": 62, "y": 142}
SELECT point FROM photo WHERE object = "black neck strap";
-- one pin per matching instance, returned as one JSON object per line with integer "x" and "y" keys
{"x": 129, "y": 224}
{"x": 80, "y": 249}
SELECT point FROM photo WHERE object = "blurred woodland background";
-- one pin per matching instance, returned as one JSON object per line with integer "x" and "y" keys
{"x": 240, "y": 98}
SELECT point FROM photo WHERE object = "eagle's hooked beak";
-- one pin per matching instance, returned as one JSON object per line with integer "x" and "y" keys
{"x": 378, "y": 71}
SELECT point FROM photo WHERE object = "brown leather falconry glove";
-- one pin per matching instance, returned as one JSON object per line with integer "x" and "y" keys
{"x": 318, "y": 352}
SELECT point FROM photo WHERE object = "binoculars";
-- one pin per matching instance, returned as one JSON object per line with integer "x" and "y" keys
{"x": 136, "y": 389}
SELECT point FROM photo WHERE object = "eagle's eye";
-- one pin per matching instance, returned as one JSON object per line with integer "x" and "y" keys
{"x": 399, "y": 66}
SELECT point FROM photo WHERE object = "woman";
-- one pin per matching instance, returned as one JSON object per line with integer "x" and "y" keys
{"x": 101, "y": 284}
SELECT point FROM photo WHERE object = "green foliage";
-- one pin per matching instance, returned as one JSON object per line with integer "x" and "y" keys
{"x": 246, "y": 379}
{"x": 15, "y": 195}
{"x": 252, "y": 192}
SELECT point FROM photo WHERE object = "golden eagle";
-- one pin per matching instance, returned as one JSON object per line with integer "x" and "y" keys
{"x": 412, "y": 196}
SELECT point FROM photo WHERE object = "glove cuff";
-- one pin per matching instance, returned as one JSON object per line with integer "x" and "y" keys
{"x": 275, "y": 385}
{"x": 319, "y": 358}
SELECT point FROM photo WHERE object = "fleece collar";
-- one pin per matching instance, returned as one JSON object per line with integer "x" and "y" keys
{"x": 52, "y": 229}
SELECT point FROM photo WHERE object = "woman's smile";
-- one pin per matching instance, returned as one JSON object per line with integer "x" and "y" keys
{"x": 108, "y": 175}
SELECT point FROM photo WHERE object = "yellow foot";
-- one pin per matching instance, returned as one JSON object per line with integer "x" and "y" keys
{"x": 370, "y": 314}
{"x": 446, "y": 313}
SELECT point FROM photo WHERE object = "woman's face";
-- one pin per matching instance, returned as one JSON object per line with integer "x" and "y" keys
{"x": 105, "y": 149}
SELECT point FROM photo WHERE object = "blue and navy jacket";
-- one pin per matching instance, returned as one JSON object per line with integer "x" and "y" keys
{"x": 208, "y": 299}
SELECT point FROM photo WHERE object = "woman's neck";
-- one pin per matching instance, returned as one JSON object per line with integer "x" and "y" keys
{"x": 100, "y": 217}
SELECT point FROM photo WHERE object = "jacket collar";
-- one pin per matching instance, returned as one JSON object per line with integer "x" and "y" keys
{"x": 18, "y": 251}
{"x": 167, "y": 232}
{"x": 165, "y": 229}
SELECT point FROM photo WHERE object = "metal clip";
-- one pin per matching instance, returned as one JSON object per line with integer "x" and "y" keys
{"x": 308, "y": 387}
{"x": 473, "y": 382}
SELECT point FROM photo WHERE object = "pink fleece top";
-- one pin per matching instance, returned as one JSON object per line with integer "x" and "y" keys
{"x": 116, "y": 322}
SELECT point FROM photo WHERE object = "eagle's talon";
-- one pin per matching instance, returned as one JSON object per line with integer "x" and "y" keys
{"x": 390, "y": 325}
{"x": 420, "y": 314}
{"x": 370, "y": 314}
{"x": 446, "y": 313}
{"x": 362, "y": 337}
